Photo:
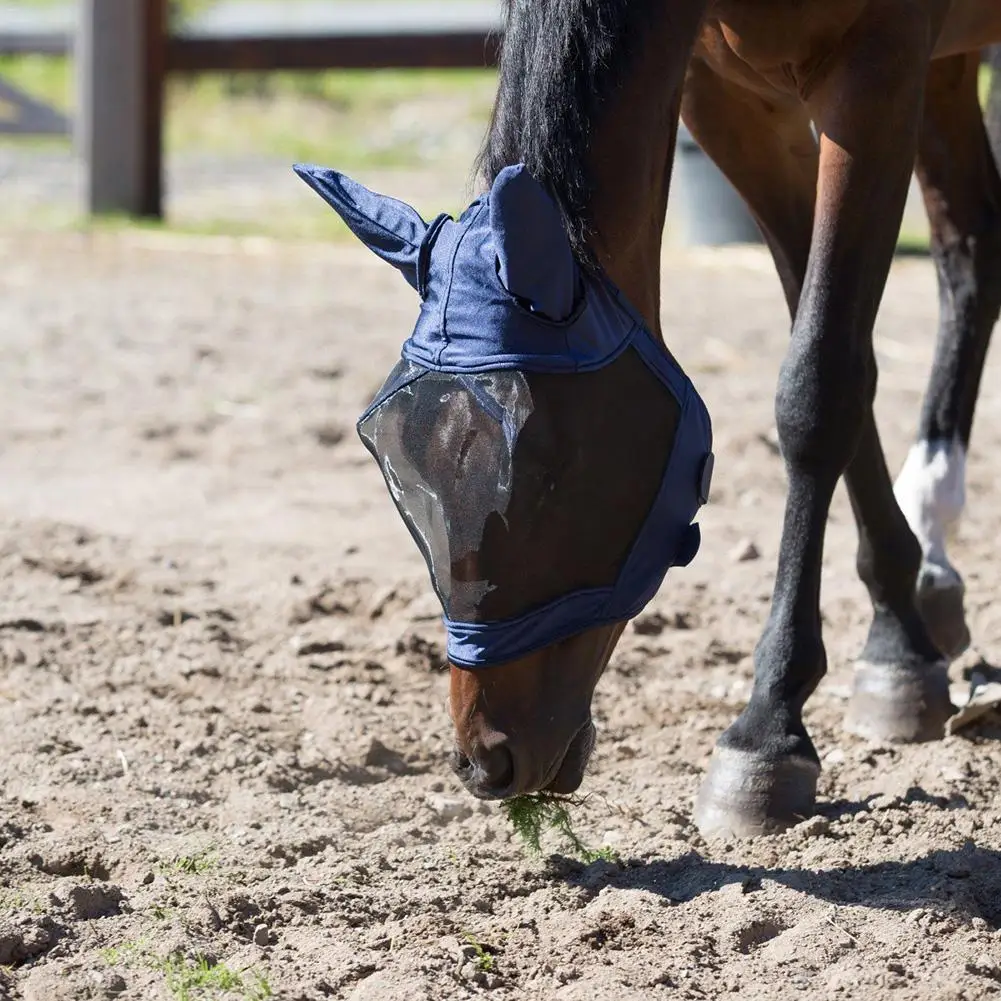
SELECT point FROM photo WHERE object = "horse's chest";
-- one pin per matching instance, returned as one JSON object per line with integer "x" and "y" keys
{"x": 766, "y": 34}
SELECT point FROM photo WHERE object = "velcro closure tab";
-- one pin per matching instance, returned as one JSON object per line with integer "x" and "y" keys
{"x": 706, "y": 477}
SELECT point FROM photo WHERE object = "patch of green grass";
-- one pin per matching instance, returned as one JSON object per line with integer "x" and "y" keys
{"x": 532, "y": 816}
{"x": 13, "y": 900}
{"x": 192, "y": 979}
{"x": 190, "y": 865}
{"x": 134, "y": 953}
{"x": 913, "y": 244}
{"x": 984, "y": 83}
{"x": 46, "y": 78}
{"x": 485, "y": 960}
{"x": 163, "y": 913}
{"x": 188, "y": 977}
{"x": 17, "y": 900}
{"x": 349, "y": 118}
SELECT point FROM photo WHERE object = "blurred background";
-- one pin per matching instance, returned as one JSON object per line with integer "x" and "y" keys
{"x": 229, "y": 137}
{"x": 407, "y": 117}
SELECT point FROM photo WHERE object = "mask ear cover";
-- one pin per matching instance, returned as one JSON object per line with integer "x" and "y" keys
{"x": 534, "y": 260}
{"x": 391, "y": 229}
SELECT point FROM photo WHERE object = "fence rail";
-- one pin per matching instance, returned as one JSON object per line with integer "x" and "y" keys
{"x": 39, "y": 43}
{"x": 124, "y": 53}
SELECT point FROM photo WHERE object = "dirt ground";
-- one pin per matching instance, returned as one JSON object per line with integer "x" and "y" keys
{"x": 222, "y": 713}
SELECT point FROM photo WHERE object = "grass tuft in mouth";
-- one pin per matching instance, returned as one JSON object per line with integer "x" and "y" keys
{"x": 533, "y": 815}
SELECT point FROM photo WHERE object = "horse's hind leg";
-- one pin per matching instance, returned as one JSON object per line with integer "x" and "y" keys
{"x": 962, "y": 192}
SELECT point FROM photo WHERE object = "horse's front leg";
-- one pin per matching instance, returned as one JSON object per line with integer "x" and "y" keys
{"x": 867, "y": 108}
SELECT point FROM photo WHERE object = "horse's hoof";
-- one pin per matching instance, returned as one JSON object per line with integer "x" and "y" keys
{"x": 940, "y": 603}
{"x": 896, "y": 704}
{"x": 746, "y": 794}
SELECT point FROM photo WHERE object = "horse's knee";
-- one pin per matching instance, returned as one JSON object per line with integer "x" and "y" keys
{"x": 824, "y": 395}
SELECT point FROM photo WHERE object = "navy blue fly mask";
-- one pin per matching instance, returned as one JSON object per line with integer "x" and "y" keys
{"x": 514, "y": 429}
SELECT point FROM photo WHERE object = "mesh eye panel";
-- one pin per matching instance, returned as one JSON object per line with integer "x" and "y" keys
{"x": 444, "y": 443}
{"x": 522, "y": 487}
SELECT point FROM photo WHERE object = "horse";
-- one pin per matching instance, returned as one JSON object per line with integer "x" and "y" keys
{"x": 589, "y": 98}
{"x": 817, "y": 111}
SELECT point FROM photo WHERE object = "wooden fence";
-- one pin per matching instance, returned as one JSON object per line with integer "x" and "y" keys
{"x": 124, "y": 53}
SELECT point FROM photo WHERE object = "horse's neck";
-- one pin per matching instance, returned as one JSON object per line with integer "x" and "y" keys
{"x": 589, "y": 98}
{"x": 630, "y": 161}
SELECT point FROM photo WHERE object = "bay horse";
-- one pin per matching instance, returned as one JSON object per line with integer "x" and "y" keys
{"x": 589, "y": 99}
{"x": 817, "y": 111}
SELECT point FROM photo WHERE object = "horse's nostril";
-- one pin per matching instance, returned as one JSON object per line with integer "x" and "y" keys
{"x": 488, "y": 773}
{"x": 497, "y": 764}
{"x": 461, "y": 765}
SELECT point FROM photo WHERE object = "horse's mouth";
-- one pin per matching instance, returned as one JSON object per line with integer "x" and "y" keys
{"x": 569, "y": 773}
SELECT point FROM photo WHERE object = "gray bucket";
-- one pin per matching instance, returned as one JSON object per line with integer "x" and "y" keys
{"x": 705, "y": 210}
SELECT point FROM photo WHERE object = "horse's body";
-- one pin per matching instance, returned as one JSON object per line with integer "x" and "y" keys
{"x": 589, "y": 100}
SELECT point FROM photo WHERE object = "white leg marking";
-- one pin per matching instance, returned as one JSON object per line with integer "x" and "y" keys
{"x": 931, "y": 492}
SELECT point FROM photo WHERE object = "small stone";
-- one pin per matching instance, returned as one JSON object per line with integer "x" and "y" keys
{"x": 564, "y": 974}
{"x": 262, "y": 936}
{"x": 148, "y": 878}
{"x": 883, "y": 802}
{"x": 448, "y": 808}
{"x": 836, "y": 756}
{"x": 114, "y": 984}
{"x": 745, "y": 551}
{"x": 380, "y": 600}
{"x": 813, "y": 827}
{"x": 986, "y": 966}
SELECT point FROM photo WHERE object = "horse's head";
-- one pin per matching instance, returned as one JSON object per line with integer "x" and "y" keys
{"x": 547, "y": 456}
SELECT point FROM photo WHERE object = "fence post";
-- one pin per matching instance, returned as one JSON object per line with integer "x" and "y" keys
{"x": 120, "y": 55}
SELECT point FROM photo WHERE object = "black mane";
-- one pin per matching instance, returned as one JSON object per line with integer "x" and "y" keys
{"x": 560, "y": 61}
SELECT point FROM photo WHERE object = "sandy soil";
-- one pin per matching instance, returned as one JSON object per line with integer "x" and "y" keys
{"x": 221, "y": 703}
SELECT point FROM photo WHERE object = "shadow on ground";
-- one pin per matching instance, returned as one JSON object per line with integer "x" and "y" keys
{"x": 967, "y": 879}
